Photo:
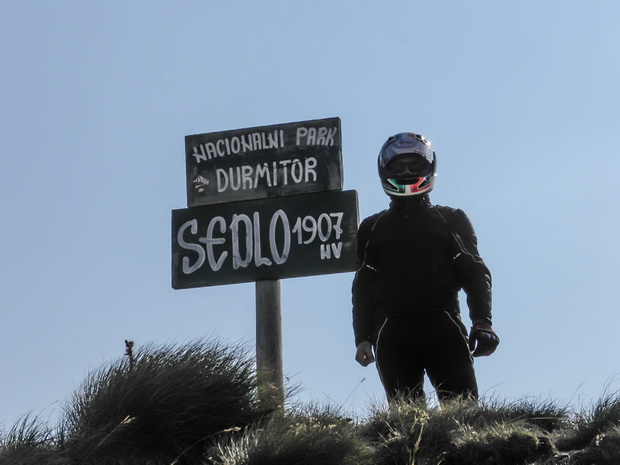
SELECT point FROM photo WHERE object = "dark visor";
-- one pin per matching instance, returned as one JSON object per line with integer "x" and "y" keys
{"x": 405, "y": 166}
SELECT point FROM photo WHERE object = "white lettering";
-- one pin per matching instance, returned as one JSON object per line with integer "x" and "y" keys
{"x": 324, "y": 219}
{"x": 310, "y": 165}
{"x": 245, "y": 236}
{"x": 301, "y": 132}
{"x": 278, "y": 257}
{"x": 262, "y": 171}
{"x": 220, "y": 149}
{"x": 273, "y": 140}
{"x": 222, "y": 180}
{"x": 246, "y": 145}
{"x": 247, "y": 177}
{"x": 235, "y": 145}
{"x": 193, "y": 225}
{"x": 311, "y": 136}
{"x": 211, "y": 152}
{"x": 199, "y": 156}
{"x": 337, "y": 249}
{"x": 325, "y": 252}
{"x": 256, "y": 140}
{"x": 258, "y": 259}
{"x": 284, "y": 164}
{"x": 245, "y": 142}
{"x": 338, "y": 216}
{"x": 297, "y": 171}
{"x": 209, "y": 241}
{"x": 235, "y": 181}
{"x": 330, "y": 137}
{"x": 237, "y": 261}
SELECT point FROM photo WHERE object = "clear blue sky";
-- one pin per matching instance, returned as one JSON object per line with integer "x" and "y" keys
{"x": 520, "y": 99}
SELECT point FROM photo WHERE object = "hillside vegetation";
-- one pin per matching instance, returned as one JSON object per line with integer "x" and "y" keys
{"x": 197, "y": 404}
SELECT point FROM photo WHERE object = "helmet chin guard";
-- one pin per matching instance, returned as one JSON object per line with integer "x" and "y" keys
{"x": 407, "y": 165}
{"x": 421, "y": 186}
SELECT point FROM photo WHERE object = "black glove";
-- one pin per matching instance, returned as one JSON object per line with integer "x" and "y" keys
{"x": 482, "y": 339}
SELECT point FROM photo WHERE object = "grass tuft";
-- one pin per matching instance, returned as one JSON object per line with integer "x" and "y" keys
{"x": 602, "y": 418}
{"x": 502, "y": 443}
{"x": 309, "y": 437}
{"x": 167, "y": 403}
{"x": 29, "y": 442}
{"x": 604, "y": 449}
{"x": 461, "y": 431}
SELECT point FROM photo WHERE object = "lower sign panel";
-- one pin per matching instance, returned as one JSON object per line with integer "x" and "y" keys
{"x": 276, "y": 238}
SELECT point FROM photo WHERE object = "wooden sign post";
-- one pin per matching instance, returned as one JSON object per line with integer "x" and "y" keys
{"x": 269, "y": 364}
{"x": 265, "y": 203}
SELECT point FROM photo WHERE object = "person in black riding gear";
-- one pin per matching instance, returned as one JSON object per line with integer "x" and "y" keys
{"x": 414, "y": 258}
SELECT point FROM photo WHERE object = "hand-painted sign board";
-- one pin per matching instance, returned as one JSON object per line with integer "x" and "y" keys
{"x": 266, "y": 239}
{"x": 264, "y": 162}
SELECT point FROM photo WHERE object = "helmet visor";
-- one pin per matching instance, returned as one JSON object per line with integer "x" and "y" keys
{"x": 408, "y": 166}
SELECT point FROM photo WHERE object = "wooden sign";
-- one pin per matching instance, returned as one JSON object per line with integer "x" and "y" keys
{"x": 264, "y": 162}
{"x": 265, "y": 239}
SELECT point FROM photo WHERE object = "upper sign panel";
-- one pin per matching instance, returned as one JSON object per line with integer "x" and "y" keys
{"x": 264, "y": 162}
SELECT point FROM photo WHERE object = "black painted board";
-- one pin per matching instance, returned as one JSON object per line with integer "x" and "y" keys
{"x": 264, "y": 162}
{"x": 284, "y": 237}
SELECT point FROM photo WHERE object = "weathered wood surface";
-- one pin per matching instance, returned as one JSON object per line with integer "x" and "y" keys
{"x": 266, "y": 239}
{"x": 264, "y": 162}
{"x": 269, "y": 364}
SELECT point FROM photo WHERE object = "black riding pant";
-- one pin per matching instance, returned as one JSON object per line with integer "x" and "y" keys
{"x": 408, "y": 346}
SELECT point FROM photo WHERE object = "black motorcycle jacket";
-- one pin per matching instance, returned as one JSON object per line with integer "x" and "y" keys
{"x": 414, "y": 258}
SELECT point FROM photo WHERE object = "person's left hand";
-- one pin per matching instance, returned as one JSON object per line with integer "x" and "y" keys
{"x": 482, "y": 340}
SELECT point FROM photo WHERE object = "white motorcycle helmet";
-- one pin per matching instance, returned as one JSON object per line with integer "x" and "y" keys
{"x": 407, "y": 165}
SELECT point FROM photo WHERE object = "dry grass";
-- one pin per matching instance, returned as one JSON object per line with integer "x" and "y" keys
{"x": 197, "y": 404}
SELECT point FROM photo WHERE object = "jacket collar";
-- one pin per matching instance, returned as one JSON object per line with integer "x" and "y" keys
{"x": 409, "y": 204}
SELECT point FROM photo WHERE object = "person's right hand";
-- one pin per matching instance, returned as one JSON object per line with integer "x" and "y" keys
{"x": 364, "y": 355}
